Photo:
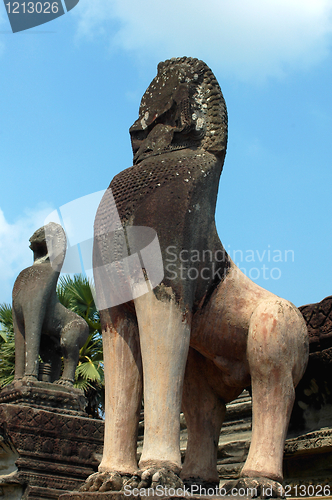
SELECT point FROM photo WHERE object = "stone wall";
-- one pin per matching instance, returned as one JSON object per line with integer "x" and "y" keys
{"x": 45, "y": 452}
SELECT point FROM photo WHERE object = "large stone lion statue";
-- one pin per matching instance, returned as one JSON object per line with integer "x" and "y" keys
{"x": 206, "y": 331}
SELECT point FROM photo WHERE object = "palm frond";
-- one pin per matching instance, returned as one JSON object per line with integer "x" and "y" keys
{"x": 82, "y": 384}
{"x": 77, "y": 293}
{"x": 6, "y": 318}
{"x": 7, "y": 346}
{"x": 3, "y": 335}
{"x": 93, "y": 347}
{"x": 89, "y": 370}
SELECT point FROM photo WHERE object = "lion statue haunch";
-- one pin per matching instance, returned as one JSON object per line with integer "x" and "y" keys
{"x": 206, "y": 331}
{"x": 42, "y": 325}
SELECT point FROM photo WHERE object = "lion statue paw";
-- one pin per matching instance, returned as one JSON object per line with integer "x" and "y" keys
{"x": 104, "y": 481}
{"x": 29, "y": 378}
{"x": 66, "y": 382}
{"x": 149, "y": 478}
{"x": 255, "y": 487}
{"x": 153, "y": 477}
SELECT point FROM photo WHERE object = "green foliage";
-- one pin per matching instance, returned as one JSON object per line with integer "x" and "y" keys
{"x": 75, "y": 293}
{"x": 7, "y": 345}
{"x": 6, "y": 319}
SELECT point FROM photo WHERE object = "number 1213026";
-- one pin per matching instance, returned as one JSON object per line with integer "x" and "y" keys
{"x": 32, "y": 8}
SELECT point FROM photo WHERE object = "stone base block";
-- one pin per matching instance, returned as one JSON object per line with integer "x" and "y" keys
{"x": 45, "y": 396}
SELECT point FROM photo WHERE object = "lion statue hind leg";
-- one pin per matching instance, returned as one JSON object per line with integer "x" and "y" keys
{"x": 277, "y": 353}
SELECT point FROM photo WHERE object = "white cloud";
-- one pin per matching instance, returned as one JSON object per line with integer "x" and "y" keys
{"x": 15, "y": 254}
{"x": 246, "y": 39}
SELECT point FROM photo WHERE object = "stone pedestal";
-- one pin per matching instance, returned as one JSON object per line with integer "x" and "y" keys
{"x": 46, "y": 450}
{"x": 45, "y": 396}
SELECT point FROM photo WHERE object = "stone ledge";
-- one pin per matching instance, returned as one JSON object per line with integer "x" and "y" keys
{"x": 118, "y": 495}
{"x": 311, "y": 442}
{"x": 45, "y": 396}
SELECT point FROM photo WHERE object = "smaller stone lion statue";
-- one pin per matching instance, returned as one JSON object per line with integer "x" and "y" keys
{"x": 42, "y": 326}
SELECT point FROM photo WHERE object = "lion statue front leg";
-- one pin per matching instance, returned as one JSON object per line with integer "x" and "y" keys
{"x": 161, "y": 327}
{"x": 123, "y": 397}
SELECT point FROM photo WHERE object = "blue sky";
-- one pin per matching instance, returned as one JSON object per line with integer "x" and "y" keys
{"x": 71, "y": 88}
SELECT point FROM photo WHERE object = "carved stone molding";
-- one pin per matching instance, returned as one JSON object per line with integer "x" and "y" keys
{"x": 45, "y": 396}
{"x": 51, "y": 453}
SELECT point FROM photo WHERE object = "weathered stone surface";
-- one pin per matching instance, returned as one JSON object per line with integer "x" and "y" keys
{"x": 235, "y": 438}
{"x": 307, "y": 457}
{"x": 236, "y": 332}
{"x": 313, "y": 405}
{"x": 47, "y": 453}
{"x": 117, "y": 495}
{"x": 319, "y": 322}
{"x": 11, "y": 491}
{"x": 308, "y": 449}
{"x": 45, "y": 396}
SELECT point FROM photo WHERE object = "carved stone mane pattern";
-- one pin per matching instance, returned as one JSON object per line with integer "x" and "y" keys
{"x": 197, "y": 116}
{"x": 202, "y": 109}
{"x": 140, "y": 181}
{"x": 179, "y": 143}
